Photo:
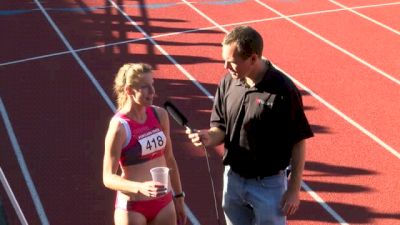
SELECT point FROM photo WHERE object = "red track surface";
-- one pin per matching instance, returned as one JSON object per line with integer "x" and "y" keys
{"x": 59, "y": 118}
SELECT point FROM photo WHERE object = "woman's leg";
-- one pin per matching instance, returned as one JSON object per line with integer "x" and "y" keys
{"x": 123, "y": 217}
{"x": 166, "y": 216}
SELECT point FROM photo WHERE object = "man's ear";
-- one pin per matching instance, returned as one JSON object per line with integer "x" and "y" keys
{"x": 254, "y": 58}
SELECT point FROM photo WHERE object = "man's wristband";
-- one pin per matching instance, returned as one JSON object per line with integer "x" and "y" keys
{"x": 179, "y": 195}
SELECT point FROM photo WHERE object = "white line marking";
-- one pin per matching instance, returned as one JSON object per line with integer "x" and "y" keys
{"x": 337, "y": 111}
{"x": 303, "y": 184}
{"x": 83, "y": 65}
{"x": 12, "y": 198}
{"x": 72, "y": 51}
{"x": 318, "y": 199}
{"x": 348, "y": 119}
{"x": 22, "y": 165}
{"x": 376, "y": 5}
{"x": 204, "y": 16}
{"x": 189, "y": 31}
{"x": 344, "y": 116}
{"x": 320, "y": 99}
{"x": 365, "y": 17}
{"x": 192, "y": 218}
{"x": 77, "y": 58}
{"x": 33, "y": 58}
{"x": 331, "y": 43}
{"x": 165, "y": 53}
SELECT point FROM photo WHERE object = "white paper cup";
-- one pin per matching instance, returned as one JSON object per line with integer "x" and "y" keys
{"x": 160, "y": 174}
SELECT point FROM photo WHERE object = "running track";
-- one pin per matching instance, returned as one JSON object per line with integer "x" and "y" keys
{"x": 59, "y": 58}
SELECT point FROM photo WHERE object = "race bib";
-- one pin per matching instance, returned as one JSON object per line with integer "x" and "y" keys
{"x": 152, "y": 141}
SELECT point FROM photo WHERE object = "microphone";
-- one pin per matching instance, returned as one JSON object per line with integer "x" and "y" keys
{"x": 176, "y": 114}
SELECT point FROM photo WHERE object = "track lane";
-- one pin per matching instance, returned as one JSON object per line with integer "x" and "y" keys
{"x": 349, "y": 171}
{"x": 90, "y": 23}
{"x": 232, "y": 12}
{"x": 19, "y": 39}
{"x": 63, "y": 35}
{"x": 96, "y": 67}
{"x": 363, "y": 38}
{"x": 12, "y": 171}
{"x": 57, "y": 118}
{"x": 170, "y": 50}
{"x": 354, "y": 3}
{"x": 288, "y": 53}
{"x": 387, "y": 15}
{"x": 366, "y": 17}
{"x": 295, "y": 7}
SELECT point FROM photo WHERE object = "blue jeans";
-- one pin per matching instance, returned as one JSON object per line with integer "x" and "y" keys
{"x": 253, "y": 201}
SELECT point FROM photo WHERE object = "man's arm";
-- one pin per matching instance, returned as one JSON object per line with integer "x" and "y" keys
{"x": 291, "y": 199}
{"x": 211, "y": 137}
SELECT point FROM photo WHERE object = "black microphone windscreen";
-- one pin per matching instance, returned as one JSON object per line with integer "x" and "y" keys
{"x": 174, "y": 112}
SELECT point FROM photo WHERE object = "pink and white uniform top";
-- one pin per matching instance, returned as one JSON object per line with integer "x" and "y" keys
{"x": 144, "y": 141}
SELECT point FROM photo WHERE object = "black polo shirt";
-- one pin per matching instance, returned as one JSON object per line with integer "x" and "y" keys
{"x": 262, "y": 123}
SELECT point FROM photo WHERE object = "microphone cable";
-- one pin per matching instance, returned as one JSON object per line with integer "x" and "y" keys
{"x": 212, "y": 186}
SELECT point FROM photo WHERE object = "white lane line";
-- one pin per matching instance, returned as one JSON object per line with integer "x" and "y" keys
{"x": 374, "y": 68}
{"x": 33, "y": 58}
{"x": 12, "y": 198}
{"x": 190, "y": 215}
{"x": 165, "y": 53}
{"x": 375, "y": 5}
{"x": 365, "y": 17}
{"x": 318, "y": 199}
{"x": 24, "y": 169}
{"x": 313, "y": 194}
{"x": 345, "y": 117}
{"x": 192, "y": 30}
{"x": 77, "y": 58}
{"x": 303, "y": 184}
{"x": 112, "y": 44}
{"x": 205, "y": 16}
{"x": 85, "y": 68}
{"x": 189, "y": 31}
{"x": 95, "y": 47}
{"x": 159, "y": 36}
{"x": 337, "y": 111}
{"x": 320, "y": 99}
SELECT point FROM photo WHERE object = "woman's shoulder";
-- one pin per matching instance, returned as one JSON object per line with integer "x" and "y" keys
{"x": 159, "y": 112}
{"x": 157, "y": 109}
{"x": 118, "y": 119}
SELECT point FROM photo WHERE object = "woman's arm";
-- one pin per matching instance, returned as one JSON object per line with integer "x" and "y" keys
{"x": 115, "y": 137}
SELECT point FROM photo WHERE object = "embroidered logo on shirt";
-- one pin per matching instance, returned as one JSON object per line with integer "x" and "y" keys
{"x": 269, "y": 102}
{"x": 259, "y": 101}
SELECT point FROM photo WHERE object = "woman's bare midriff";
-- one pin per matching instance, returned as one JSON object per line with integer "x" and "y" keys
{"x": 141, "y": 173}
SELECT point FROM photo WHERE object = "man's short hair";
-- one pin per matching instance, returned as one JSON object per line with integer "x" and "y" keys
{"x": 247, "y": 39}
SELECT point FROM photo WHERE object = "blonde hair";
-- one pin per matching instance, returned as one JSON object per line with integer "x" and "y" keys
{"x": 128, "y": 75}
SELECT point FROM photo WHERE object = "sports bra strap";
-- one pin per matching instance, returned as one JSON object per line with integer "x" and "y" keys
{"x": 155, "y": 113}
{"x": 127, "y": 131}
